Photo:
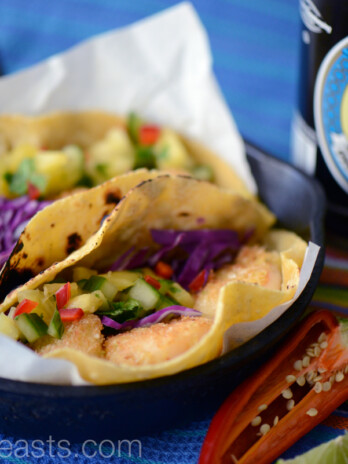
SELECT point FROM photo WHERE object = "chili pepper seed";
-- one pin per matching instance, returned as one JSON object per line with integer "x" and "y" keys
{"x": 276, "y": 420}
{"x": 265, "y": 428}
{"x": 339, "y": 376}
{"x": 326, "y": 386}
{"x": 290, "y": 378}
{"x": 322, "y": 337}
{"x": 287, "y": 393}
{"x": 262, "y": 407}
{"x": 312, "y": 412}
{"x": 306, "y": 361}
{"x": 301, "y": 380}
{"x": 298, "y": 365}
{"x": 317, "y": 351}
{"x": 256, "y": 421}
{"x": 290, "y": 404}
{"x": 318, "y": 387}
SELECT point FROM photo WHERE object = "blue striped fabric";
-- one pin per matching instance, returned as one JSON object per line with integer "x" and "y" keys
{"x": 254, "y": 46}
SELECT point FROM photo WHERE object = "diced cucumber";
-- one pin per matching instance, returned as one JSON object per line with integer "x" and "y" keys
{"x": 80, "y": 273}
{"x": 133, "y": 126}
{"x": 180, "y": 295}
{"x": 143, "y": 292}
{"x": 164, "y": 302}
{"x": 165, "y": 285}
{"x": 144, "y": 158}
{"x": 31, "y": 326}
{"x": 8, "y": 327}
{"x": 96, "y": 282}
{"x": 122, "y": 279}
{"x": 56, "y": 327}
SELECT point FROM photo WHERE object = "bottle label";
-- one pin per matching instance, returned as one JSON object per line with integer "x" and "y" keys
{"x": 331, "y": 111}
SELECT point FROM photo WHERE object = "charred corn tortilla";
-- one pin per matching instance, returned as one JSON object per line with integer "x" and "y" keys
{"x": 169, "y": 202}
{"x": 237, "y": 302}
{"x": 161, "y": 202}
{"x": 84, "y": 129}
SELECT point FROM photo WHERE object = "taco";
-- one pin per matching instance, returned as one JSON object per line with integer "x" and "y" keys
{"x": 152, "y": 292}
{"x": 47, "y": 157}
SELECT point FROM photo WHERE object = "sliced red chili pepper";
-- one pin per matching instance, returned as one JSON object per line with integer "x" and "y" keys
{"x": 294, "y": 391}
{"x": 148, "y": 135}
{"x": 164, "y": 270}
{"x": 25, "y": 306}
{"x": 198, "y": 282}
{"x": 63, "y": 295}
{"x": 33, "y": 192}
{"x": 153, "y": 282}
{"x": 71, "y": 314}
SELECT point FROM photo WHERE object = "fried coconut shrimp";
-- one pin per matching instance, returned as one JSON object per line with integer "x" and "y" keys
{"x": 253, "y": 265}
{"x": 157, "y": 343}
{"x": 82, "y": 335}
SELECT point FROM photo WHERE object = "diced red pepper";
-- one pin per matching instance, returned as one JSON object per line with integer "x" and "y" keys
{"x": 148, "y": 135}
{"x": 33, "y": 192}
{"x": 198, "y": 282}
{"x": 63, "y": 295}
{"x": 153, "y": 282}
{"x": 71, "y": 314}
{"x": 25, "y": 306}
{"x": 293, "y": 392}
{"x": 164, "y": 270}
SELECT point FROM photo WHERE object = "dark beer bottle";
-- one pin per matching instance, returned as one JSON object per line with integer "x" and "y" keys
{"x": 320, "y": 126}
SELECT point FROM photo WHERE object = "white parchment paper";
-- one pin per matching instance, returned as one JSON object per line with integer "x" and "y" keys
{"x": 161, "y": 68}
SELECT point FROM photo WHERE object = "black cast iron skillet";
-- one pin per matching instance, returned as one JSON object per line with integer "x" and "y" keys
{"x": 134, "y": 409}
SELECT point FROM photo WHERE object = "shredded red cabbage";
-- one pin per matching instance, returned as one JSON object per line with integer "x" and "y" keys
{"x": 151, "y": 319}
{"x": 15, "y": 214}
{"x": 187, "y": 251}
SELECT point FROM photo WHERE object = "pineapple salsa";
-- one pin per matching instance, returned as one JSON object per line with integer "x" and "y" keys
{"x": 122, "y": 299}
{"x": 43, "y": 173}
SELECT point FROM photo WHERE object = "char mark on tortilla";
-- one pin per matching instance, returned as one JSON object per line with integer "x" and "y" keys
{"x": 74, "y": 241}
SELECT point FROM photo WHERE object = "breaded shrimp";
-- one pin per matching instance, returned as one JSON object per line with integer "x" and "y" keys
{"x": 83, "y": 335}
{"x": 157, "y": 343}
{"x": 253, "y": 264}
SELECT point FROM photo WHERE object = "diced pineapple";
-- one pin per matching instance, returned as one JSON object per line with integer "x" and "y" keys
{"x": 46, "y": 306}
{"x": 18, "y": 154}
{"x": 181, "y": 295}
{"x": 80, "y": 273}
{"x": 8, "y": 327}
{"x": 51, "y": 289}
{"x": 88, "y": 302}
{"x": 112, "y": 156}
{"x": 53, "y": 165}
{"x": 148, "y": 271}
{"x": 170, "y": 152}
{"x": 122, "y": 279}
{"x": 75, "y": 161}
